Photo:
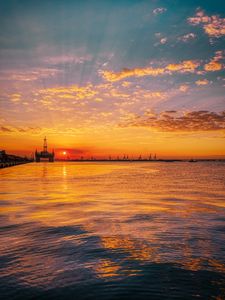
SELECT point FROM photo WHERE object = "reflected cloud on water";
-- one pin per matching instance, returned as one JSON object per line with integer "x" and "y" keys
{"x": 70, "y": 224}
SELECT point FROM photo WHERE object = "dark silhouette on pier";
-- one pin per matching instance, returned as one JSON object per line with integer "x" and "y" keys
{"x": 9, "y": 160}
{"x": 45, "y": 155}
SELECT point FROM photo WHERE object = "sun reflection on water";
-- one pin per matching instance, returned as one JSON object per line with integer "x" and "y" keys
{"x": 107, "y": 221}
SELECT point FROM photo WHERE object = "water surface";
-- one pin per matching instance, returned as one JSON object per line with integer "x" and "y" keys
{"x": 113, "y": 231}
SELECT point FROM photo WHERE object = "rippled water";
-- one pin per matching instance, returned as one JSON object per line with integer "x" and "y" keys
{"x": 113, "y": 231}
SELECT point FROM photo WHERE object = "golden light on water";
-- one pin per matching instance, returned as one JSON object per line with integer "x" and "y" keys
{"x": 133, "y": 216}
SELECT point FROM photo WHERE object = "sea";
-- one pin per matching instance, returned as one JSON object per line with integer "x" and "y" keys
{"x": 113, "y": 230}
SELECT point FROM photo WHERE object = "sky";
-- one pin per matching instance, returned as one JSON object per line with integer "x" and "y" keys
{"x": 113, "y": 77}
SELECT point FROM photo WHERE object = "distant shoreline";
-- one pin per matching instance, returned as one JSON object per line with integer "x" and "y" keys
{"x": 12, "y": 164}
{"x": 143, "y": 160}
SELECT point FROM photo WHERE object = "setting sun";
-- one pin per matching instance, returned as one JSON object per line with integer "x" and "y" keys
{"x": 112, "y": 149}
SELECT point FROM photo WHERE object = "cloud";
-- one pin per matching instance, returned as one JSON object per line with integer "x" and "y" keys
{"x": 172, "y": 121}
{"x": 136, "y": 72}
{"x": 91, "y": 103}
{"x": 15, "y": 98}
{"x": 63, "y": 59}
{"x": 215, "y": 63}
{"x": 219, "y": 55}
{"x": 28, "y": 75}
{"x": 159, "y": 10}
{"x": 187, "y": 37}
{"x": 183, "y": 88}
{"x": 71, "y": 92}
{"x": 188, "y": 66}
{"x": 214, "y": 26}
{"x": 213, "y": 66}
{"x": 4, "y": 129}
{"x": 126, "y": 84}
{"x": 57, "y": 130}
{"x": 163, "y": 41}
{"x": 202, "y": 82}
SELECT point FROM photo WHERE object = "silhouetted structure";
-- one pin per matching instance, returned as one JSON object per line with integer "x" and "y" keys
{"x": 44, "y": 155}
{"x": 8, "y": 160}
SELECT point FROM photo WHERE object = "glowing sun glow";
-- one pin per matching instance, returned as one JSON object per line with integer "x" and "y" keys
{"x": 154, "y": 84}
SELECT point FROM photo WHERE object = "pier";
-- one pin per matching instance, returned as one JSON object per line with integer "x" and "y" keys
{"x": 10, "y": 160}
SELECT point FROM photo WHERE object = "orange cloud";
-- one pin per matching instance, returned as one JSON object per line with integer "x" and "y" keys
{"x": 126, "y": 84}
{"x": 187, "y": 66}
{"x": 15, "y": 98}
{"x": 202, "y": 82}
{"x": 215, "y": 63}
{"x": 214, "y": 26}
{"x": 137, "y": 72}
{"x": 54, "y": 97}
{"x": 28, "y": 131}
{"x": 213, "y": 66}
{"x": 184, "y": 88}
{"x": 175, "y": 122}
{"x": 72, "y": 92}
{"x": 8, "y": 129}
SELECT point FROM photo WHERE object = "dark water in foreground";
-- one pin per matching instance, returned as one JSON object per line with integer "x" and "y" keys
{"x": 112, "y": 231}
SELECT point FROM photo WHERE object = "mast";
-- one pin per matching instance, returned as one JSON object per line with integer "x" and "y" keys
{"x": 45, "y": 147}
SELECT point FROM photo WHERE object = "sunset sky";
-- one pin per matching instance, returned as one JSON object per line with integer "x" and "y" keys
{"x": 113, "y": 77}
